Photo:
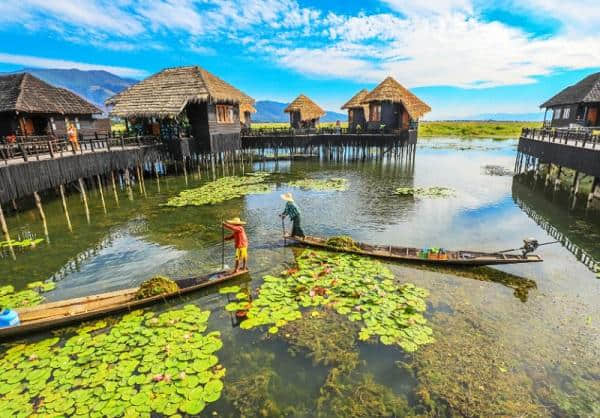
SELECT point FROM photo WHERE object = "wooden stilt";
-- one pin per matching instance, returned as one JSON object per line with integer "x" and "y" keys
{"x": 143, "y": 180}
{"x": 557, "y": 181}
{"x": 84, "y": 199}
{"x": 100, "y": 189}
{"x": 6, "y": 234}
{"x": 575, "y": 189}
{"x": 157, "y": 178}
{"x": 38, "y": 204}
{"x": 183, "y": 164}
{"x": 593, "y": 192}
{"x": 139, "y": 179}
{"x": 65, "y": 207}
{"x": 114, "y": 187}
{"x": 212, "y": 163}
{"x": 128, "y": 184}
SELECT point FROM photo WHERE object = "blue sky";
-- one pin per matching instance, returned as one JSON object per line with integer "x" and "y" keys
{"x": 463, "y": 57}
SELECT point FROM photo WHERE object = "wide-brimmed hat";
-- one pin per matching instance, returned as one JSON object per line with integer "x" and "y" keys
{"x": 235, "y": 221}
{"x": 287, "y": 197}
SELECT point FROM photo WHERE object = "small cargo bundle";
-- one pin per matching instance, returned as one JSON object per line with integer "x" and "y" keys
{"x": 155, "y": 286}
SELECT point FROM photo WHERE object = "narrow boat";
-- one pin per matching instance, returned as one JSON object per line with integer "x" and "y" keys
{"x": 462, "y": 258}
{"x": 57, "y": 314}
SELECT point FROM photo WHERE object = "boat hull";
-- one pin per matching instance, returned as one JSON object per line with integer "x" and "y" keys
{"x": 408, "y": 254}
{"x": 58, "y": 314}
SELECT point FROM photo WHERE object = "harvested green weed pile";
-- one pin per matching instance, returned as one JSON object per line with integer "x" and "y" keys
{"x": 425, "y": 192}
{"x": 343, "y": 242}
{"x": 158, "y": 285}
{"x": 360, "y": 288}
{"x": 225, "y": 188}
{"x": 29, "y": 297}
{"x": 144, "y": 364}
{"x": 322, "y": 185}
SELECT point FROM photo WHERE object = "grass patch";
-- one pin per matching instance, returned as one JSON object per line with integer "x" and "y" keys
{"x": 475, "y": 129}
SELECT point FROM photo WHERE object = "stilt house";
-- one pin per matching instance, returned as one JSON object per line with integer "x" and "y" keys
{"x": 32, "y": 107}
{"x": 357, "y": 111}
{"x": 392, "y": 107}
{"x": 246, "y": 110}
{"x": 304, "y": 113}
{"x": 185, "y": 100}
{"x": 577, "y": 105}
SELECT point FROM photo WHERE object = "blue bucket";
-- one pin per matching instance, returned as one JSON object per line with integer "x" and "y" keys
{"x": 8, "y": 318}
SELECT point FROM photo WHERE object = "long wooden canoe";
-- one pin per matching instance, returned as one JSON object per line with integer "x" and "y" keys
{"x": 57, "y": 314}
{"x": 462, "y": 258}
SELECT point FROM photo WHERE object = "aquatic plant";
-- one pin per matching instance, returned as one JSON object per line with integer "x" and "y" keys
{"x": 321, "y": 185}
{"x": 14, "y": 300}
{"x": 343, "y": 242}
{"x": 220, "y": 190}
{"x": 357, "y": 287}
{"x": 155, "y": 286}
{"x": 467, "y": 373}
{"x": 359, "y": 395}
{"x": 425, "y": 192}
{"x": 41, "y": 286}
{"x": 30, "y": 242}
{"x": 326, "y": 337}
{"x": 229, "y": 289}
{"x": 496, "y": 170}
{"x": 143, "y": 364}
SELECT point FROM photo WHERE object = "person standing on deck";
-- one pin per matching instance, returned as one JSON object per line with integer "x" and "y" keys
{"x": 293, "y": 212}
{"x": 72, "y": 136}
{"x": 235, "y": 225}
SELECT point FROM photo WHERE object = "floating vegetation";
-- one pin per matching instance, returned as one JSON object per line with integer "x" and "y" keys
{"x": 42, "y": 286}
{"x": 14, "y": 300}
{"x": 425, "y": 192}
{"x": 26, "y": 243}
{"x": 358, "y": 395}
{"x": 343, "y": 242}
{"x": 496, "y": 170}
{"x": 220, "y": 190}
{"x": 360, "y": 288}
{"x": 229, "y": 289}
{"x": 322, "y": 185}
{"x": 155, "y": 286}
{"x": 144, "y": 364}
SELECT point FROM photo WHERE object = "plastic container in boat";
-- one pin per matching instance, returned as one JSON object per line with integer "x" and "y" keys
{"x": 8, "y": 318}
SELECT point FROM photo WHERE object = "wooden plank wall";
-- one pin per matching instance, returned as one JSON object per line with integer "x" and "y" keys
{"x": 580, "y": 159}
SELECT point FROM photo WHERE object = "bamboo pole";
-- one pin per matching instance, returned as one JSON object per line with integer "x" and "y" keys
{"x": 139, "y": 179}
{"x": 84, "y": 199}
{"x": 157, "y": 177}
{"x": 114, "y": 187}
{"x": 183, "y": 164}
{"x": 128, "y": 184}
{"x": 101, "y": 193}
{"x": 143, "y": 180}
{"x": 65, "y": 208}
{"x": 38, "y": 204}
{"x": 6, "y": 234}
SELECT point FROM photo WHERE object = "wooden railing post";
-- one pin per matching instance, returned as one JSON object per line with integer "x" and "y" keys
{"x": 50, "y": 149}
{"x": 122, "y": 142}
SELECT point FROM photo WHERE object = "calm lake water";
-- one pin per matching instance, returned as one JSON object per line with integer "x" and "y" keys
{"x": 513, "y": 340}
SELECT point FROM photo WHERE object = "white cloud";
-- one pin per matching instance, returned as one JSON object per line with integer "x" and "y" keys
{"x": 39, "y": 62}
{"x": 430, "y": 7}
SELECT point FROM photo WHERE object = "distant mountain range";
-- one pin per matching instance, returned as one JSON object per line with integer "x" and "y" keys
{"x": 269, "y": 111}
{"x": 97, "y": 86}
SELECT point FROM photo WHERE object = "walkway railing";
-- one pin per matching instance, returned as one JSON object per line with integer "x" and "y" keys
{"x": 36, "y": 147}
{"x": 574, "y": 137}
{"x": 280, "y": 131}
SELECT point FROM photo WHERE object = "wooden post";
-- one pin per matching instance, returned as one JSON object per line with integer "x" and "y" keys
{"x": 212, "y": 163}
{"x": 6, "y": 234}
{"x": 575, "y": 189}
{"x": 65, "y": 208}
{"x": 557, "y": 181}
{"x": 157, "y": 177}
{"x": 199, "y": 172}
{"x": 101, "y": 193}
{"x": 595, "y": 187}
{"x": 38, "y": 204}
{"x": 114, "y": 187}
{"x": 84, "y": 199}
{"x": 183, "y": 164}
{"x": 128, "y": 184}
{"x": 139, "y": 178}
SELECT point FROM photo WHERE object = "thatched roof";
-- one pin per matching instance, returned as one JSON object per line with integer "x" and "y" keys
{"x": 28, "y": 94}
{"x": 586, "y": 91}
{"x": 389, "y": 90}
{"x": 356, "y": 102}
{"x": 308, "y": 109}
{"x": 247, "y": 104}
{"x": 166, "y": 93}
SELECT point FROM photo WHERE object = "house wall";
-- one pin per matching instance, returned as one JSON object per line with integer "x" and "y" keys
{"x": 8, "y": 123}
{"x": 358, "y": 118}
{"x": 562, "y": 122}
{"x": 391, "y": 116}
{"x": 224, "y": 136}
